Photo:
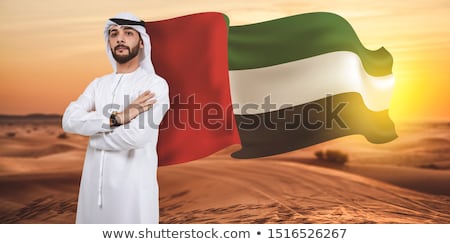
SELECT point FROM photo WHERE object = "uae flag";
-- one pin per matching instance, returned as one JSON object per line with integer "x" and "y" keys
{"x": 273, "y": 86}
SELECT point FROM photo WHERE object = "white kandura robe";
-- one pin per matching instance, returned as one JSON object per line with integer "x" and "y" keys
{"x": 119, "y": 181}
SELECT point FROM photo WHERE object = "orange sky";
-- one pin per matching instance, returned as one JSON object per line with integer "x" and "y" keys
{"x": 50, "y": 50}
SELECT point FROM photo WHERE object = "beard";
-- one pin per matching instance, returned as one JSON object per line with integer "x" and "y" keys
{"x": 121, "y": 59}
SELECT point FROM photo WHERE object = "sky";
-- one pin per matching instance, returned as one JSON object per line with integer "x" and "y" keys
{"x": 51, "y": 49}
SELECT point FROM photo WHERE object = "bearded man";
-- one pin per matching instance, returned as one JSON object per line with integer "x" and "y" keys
{"x": 121, "y": 113}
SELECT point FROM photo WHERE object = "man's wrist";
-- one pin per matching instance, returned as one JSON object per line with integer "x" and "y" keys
{"x": 114, "y": 120}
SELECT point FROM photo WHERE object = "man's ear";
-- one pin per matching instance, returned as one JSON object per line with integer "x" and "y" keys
{"x": 141, "y": 43}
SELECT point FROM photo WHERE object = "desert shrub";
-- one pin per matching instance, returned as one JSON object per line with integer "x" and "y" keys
{"x": 334, "y": 156}
{"x": 11, "y": 134}
{"x": 319, "y": 155}
{"x": 63, "y": 136}
{"x": 430, "y": 166}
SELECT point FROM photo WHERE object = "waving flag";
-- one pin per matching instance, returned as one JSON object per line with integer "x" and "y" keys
{"x": 190, "y": 52}
{"x": 273, "y": 87}
{"x": 312, "y": 81}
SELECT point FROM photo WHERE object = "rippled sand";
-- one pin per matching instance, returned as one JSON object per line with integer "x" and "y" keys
{"x": 405, "y": 181}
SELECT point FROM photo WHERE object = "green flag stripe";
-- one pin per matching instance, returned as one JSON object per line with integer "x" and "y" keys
{"x": 297, "y": 37}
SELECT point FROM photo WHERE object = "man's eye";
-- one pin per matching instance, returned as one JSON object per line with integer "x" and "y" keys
{"x": 112, "y": 34}
{"x": 129, "y": 33}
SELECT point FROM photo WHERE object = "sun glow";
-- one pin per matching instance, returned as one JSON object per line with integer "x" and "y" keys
{"x": 49, "y": 55}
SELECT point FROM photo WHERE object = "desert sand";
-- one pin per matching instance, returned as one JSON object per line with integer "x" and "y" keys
{"x": 404, "y": 181}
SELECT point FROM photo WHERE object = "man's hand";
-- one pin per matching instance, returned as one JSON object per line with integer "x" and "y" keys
{"x": 141, "y": 104}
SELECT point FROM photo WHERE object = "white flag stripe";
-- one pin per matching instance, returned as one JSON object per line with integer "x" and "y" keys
{"x": 302, "y": 81}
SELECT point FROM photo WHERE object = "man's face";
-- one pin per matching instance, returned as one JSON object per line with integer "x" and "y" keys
{"x": 125, "y": 43}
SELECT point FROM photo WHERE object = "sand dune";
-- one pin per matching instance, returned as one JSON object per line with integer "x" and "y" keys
{"x": 251, "y": 191}
{"x": 40, "y": 172}
{"x": 42, "y": 198}
{"x": 27, "y": 152}
{"x": 223, "y": 191}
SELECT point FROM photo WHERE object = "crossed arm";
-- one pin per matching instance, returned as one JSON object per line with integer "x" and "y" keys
{"x": 140, "y": 120}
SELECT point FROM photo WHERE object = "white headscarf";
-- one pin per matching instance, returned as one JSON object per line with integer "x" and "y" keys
{"x": 129, "y": 20}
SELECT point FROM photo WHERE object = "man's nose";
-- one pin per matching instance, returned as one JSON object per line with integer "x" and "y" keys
{"x": 120, "y": 38}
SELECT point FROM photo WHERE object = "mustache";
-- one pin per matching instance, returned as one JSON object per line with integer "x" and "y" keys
{"x": 121, "y": 46}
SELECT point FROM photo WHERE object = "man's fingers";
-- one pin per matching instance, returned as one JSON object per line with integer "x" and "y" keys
{"x": 145, "y": 93}
{"x": 143, "y": 106}
{"x": 144, "y": 97}
{"x": 148, "y": 104}
{"x": 150, "y": 101}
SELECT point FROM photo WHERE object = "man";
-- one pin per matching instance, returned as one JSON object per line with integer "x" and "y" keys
{"x": 120, "y": 112}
